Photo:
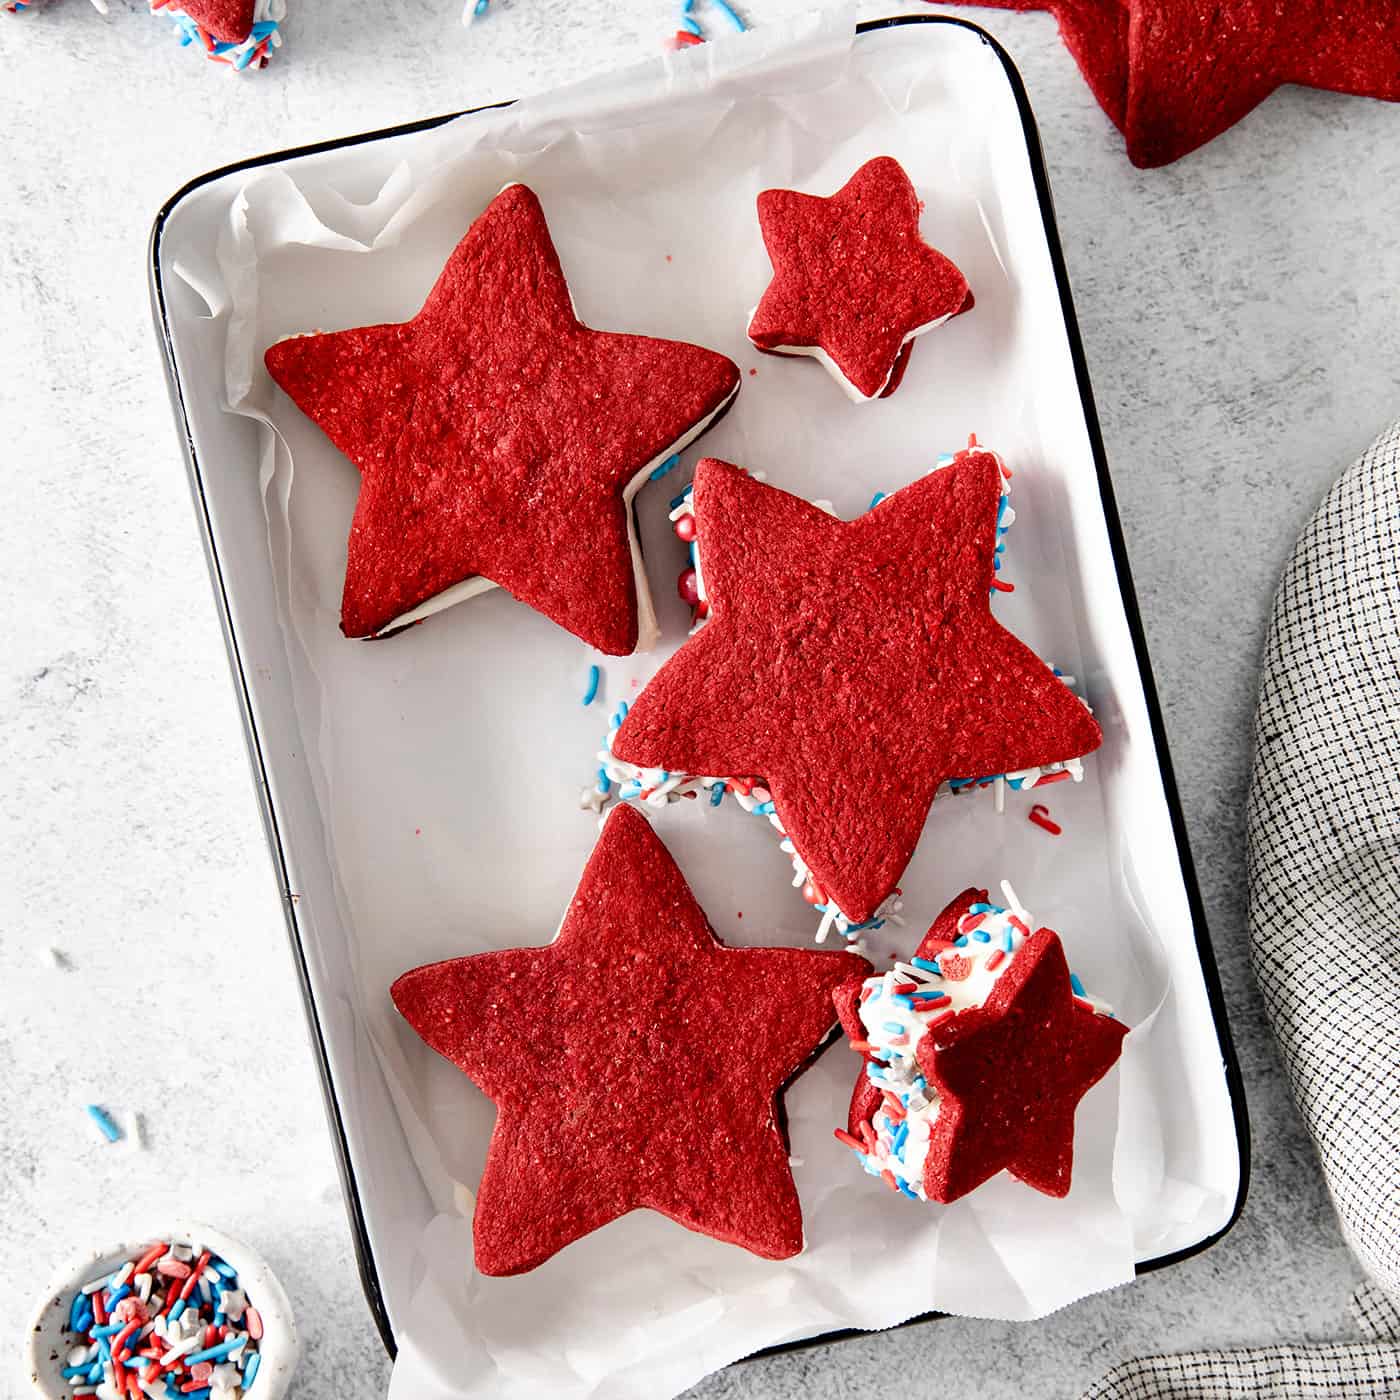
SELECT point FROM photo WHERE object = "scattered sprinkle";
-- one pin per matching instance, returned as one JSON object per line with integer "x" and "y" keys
{"x": 1040, "y": 815}
{"x": 590, "y": 691}
{"x": 104, "y": 1122}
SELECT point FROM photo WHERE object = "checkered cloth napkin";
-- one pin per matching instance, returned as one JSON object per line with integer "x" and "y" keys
{"x": 1324, "y": 863}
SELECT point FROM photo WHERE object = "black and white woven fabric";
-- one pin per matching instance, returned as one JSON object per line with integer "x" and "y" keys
{"x": 1324, "y": 860}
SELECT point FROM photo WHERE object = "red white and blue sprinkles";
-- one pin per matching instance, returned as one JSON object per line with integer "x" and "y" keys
{"x": 251, "y": 52}
{"x": 172, "y": 1323}
{"x": 902, "y": 1006}
{"x": 691, "y": 32}
{"x": 617, "y": 781}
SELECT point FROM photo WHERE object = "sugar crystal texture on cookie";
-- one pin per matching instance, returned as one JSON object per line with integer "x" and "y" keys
{"x": 977, "y": 1052}
{"x": 500, "y": 440}
{"x": 635, "y": 1062}
{"x": 853, "y": 666}
{"x": 853, "y": 281}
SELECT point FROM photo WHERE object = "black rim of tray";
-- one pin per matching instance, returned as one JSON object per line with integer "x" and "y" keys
{"x": 364, "y": 1255}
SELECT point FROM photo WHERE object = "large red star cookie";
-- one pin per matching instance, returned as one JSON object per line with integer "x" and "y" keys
{"x": 853, "y": 282}
{"x": 1011, "y": 1073}
{"x": 499, "y": 438}
{"x": 853, "y": 666}
{"x": 1198, "y": 66}
{"x": 1174, "y": 74}
{"x": 634, "y": 1062}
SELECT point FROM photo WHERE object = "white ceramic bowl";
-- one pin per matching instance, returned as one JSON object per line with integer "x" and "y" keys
{"x": 48, "y": 1344}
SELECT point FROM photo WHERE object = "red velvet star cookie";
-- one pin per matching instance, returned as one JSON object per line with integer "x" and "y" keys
{"x": 500, "y": 440}
{"x": 853, "y": 282}
{"x": 1174, "y": 74}
{"x": 1198, "y": 66}
{"x": 635, "y": 1062}
{"x": 853, "y": 666}
{"x": 1005, "y": 1058}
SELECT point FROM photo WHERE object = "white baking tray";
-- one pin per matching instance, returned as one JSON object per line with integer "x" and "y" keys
{"x": 418, "y": 792}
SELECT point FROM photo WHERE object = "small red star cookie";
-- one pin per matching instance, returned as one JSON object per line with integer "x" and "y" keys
{"x": 853, "y": 666}
{"x": 1004, "y": 1076}
{"x": 853, "y": 281}
{"x": 500, "y": 440}
{"x": 635, "y": 1062}
{"x": 1011, "y": 1073}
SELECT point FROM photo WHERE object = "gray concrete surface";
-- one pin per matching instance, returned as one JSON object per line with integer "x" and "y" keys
{"x": 1240, "y": 322}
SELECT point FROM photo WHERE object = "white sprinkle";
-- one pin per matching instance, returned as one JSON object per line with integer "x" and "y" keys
{"x": 181, "y": 1348}
{"x": 796, "y": 1162}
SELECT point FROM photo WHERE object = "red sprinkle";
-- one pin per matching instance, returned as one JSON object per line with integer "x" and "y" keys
{"x": 887, "y": 1176}
{"x": 1060, "y": 775}
{"x": 1040, "y": 815}
{"x": 99, "y": 1309}
{"x": 996, "y": 960}
{"x": 861, "y": 1045}
{"x": 1003, "y": 587}
{"x": 173, "y": 1268}
{"x": 252, "y": 1321}
{"x": 684, "y": 38}
{"x": 893, "y": 1107}
{"x": 841, "y": 1136}
{"x": 156, "y": 1251}
{"x": 1017, "y": 922}
{"x": 868, "y": 1133}
{"x": 906, "y": 986}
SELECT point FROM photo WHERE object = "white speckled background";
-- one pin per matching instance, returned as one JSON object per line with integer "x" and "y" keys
{"x": 1240, "y": 322}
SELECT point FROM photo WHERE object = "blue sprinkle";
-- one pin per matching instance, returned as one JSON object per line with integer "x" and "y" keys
{"x": 903, "y": 1186}
{"x": 1076, "y": 985}
{"x": 669, "y": 465}
{"x": 108, "y": 1329}
{"x": 605, "y": 787}
{"x": 108, "y": 1128}
{"x": 691, "y": 25}
{"x": 984, "y": 909}
{"x": 1007, "y": 942}
{"x": 481, "y": 7}
{"x": 765, "y": 809}
{"x": 75, "y": 1312}
{"x": 876, "y": 499}
{"x": 960, "y": 941}
{"x": 216, "y": 1353}
{"x": 996, "y": 565}
{"x": 957, "y": 784}
{"x": 250, "y": 1371}
{"x": 681, "y": 499}
{"x": 590, "y": 693}
{"x": 95, "y": 1373}
{"x": 730, "y": 15}
{"x": 927, "y": 965}
{"x": 981, "y": 935}
{"x": 894, "y": 1027}
{"x": 178, "y": 1310}
{"x": 630, "y": 789}
{"x": 873, "y": 1071}
{"x": 72, "y": 1372}
{"x": 902, "y": 999}
{"x": 227, "y": 1270}
{"x": 1015, "y": 784}
{"x": 716, "y": 794}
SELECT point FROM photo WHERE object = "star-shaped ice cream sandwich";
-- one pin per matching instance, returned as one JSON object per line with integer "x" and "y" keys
{"x": 978, "y": 1051}
{"x": 853, "y": 281}
{"x": 635, "y": 1062}
{"x": 500, "y": 440}
{"x": 853, "y": 666}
